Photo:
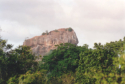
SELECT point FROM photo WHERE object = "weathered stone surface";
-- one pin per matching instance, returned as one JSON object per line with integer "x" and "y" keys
{"x": 41, "y": 45}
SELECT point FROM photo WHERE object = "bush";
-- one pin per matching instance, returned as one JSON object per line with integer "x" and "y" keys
{"x": 33, "y": 78}
{"x": 39, "y": 77}
{"x": 70, "y": 29}
{"x": 13, "y": 80}
{"x": 56, "y": 30}
{"x": 68, "y": 78}
{"x": 43, "y": 33}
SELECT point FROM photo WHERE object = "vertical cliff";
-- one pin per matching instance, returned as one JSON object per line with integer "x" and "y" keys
{"x": 41, "y": 45}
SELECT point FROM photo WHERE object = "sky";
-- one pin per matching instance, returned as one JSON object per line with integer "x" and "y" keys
{"x": 92, "y": 20}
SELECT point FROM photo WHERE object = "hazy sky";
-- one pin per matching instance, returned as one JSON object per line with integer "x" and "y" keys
{"x": 93, "y": 20}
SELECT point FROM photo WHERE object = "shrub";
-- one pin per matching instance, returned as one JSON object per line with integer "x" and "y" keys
{"x": 39, "y": 77}
{"x": 68, "y": 78}
{"x": 13, "y": 80}
{"x": 56, "y": 30}
{"x": 69, "y": 29}
{"x": 43, "y": 33}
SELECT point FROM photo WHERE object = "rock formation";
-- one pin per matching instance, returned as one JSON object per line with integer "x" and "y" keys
{"x": 41, "y": 45}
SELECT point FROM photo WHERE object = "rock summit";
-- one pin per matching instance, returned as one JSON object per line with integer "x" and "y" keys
{"x": 41, "y": 45}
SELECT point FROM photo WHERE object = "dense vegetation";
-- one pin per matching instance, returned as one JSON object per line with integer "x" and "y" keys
{"x": 68, "y": 64}
{"x": 69, "y": 29}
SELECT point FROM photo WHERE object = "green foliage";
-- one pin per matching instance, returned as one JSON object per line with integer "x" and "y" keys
{"x": 100, "y": 65}
{"x": 68, "y": 64}
{"x": 33, "y": 78}
{"x": 25, "y": 60}
{"x": 43, "y": 33}
{"x": 39, "y": 77}
{"x": 15, "y": 62}
{"x": 63, "y": 59}
{"x": 120, "y": 61}
{"x": 86, "y": 46}
{"x": 69, "y": 29}
{"x": 93, "y": 63}
{"x": 56, "y": 30}
{"x": 13, "y": 80}
{"x": 68, "y": 78}
{"x": 3, "y": 60}
{"x": 115, "y": 45}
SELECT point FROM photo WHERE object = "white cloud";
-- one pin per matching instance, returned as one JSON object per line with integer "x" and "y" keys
{"x": 93, "y": 20}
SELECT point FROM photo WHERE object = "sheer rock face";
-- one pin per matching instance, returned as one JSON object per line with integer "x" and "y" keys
{"x": 41, "y": 45}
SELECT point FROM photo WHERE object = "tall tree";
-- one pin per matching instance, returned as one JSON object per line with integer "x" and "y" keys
{"x": 15, "y": 62}
{"x": 63, "y": 59}
{"x": 94, "y": 65}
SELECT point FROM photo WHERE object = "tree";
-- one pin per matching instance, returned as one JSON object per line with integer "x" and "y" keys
{"x": 3, "y": 60}
{"x": 95, "y": 65}
{"x": 86, "y": 46}
{"x": 101, "y": 64}
{"x": 15, "y": 62}
{"x": 63, "y": 59}
{"x": 24, "y": 59}
{"x": 38, "y": 77}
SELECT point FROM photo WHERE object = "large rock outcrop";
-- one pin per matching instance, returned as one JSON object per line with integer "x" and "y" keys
{"x": 41, "y": 45}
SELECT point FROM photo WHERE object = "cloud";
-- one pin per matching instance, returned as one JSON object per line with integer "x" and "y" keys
{"x": 99, "y": 9}
{"x": 27, "y": 18}
{"x": 14, "y": 31}
{"x": 93, "y": 20}
{"x": 99, "y": 20}
{"x": 29, "y": 12}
